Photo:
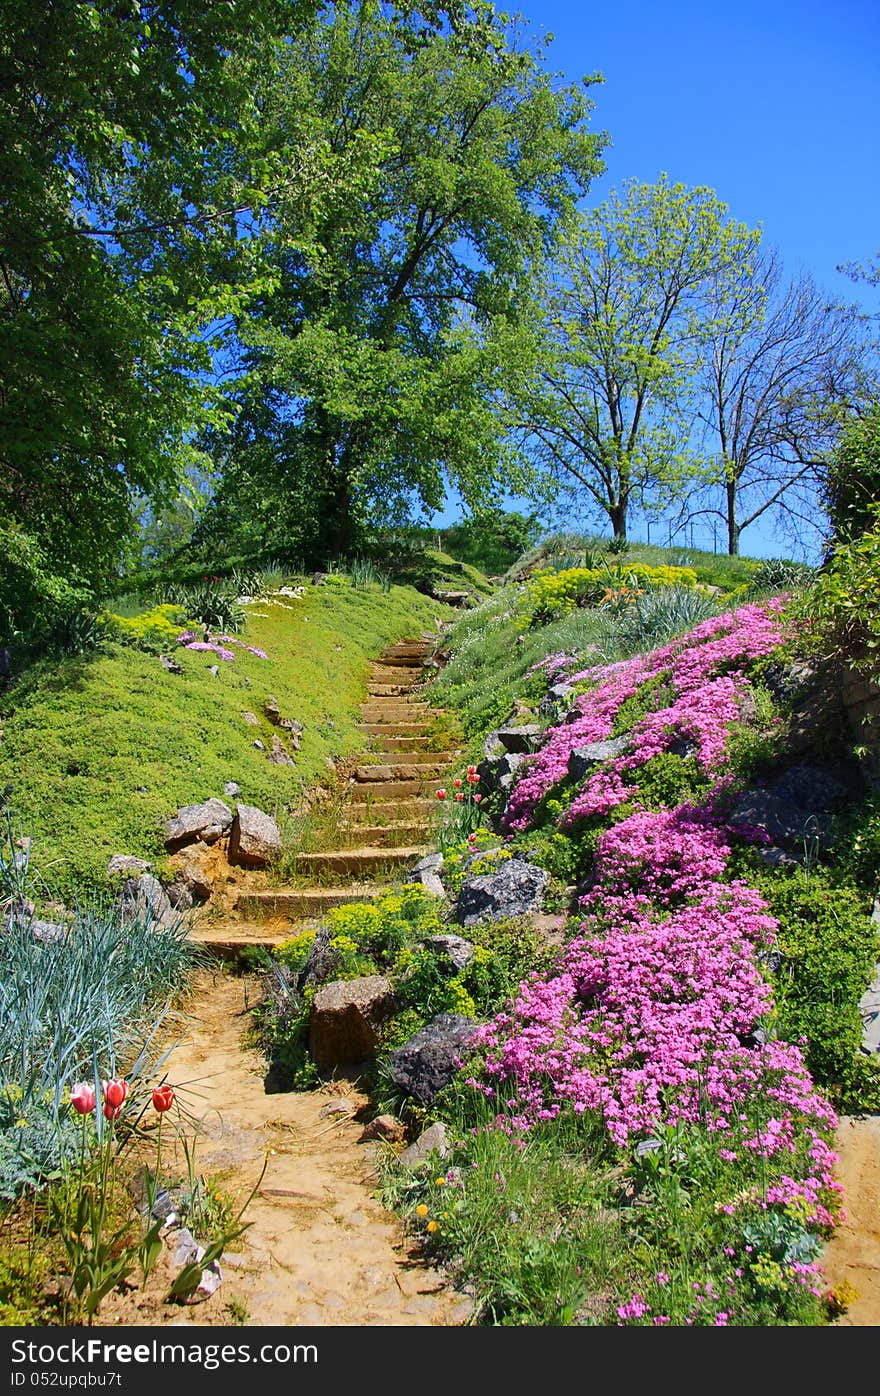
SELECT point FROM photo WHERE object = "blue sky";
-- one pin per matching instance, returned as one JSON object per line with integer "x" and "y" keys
{"x": 775, "y": 105}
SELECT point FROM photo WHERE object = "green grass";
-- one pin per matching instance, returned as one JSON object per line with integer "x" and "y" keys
{"x": 99, "y": 751}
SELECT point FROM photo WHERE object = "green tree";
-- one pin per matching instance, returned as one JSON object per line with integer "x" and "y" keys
{"x": 132, "y": 176}
{"x": 382, "y": 348}
{"x": 625, "y": 316}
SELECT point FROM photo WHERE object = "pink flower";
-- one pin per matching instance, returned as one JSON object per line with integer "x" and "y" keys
{"x": 82, "y": 1098}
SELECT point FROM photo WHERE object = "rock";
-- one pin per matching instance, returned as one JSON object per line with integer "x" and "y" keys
{"x": 318, "y": 578}
{"x": 431, "y": 1058}
{"x": 126, "y": 863}
{"x": 342, "y": 1106}
{"x": 869, "y": 1008}
{"x": 515, "y": 888}
{"x": 186, "y": 1248}
{"x": 793, "y": 807}
{"x": 255, "y": 838}
{"x": 212, "y": 1279}
{"x": 585, "y": 759}
{"x": 322, "y": 963}
{"x": 778, "y": 858}
{"x": 345, "y": 1020}
{"x": 773, "y": 960}
{"x": 788, "y": 825}
{"x": 786, "y": 680}
{"x": 523, "y": 738}
{"x": 144, "y": 898}
{"x": 279, "y": 755}
{"x": 427, "y": 872}
{"x": 260, "y": 746}
{"x": 49, "y": 932}
{"x": 231, "y": 789}
{"x": 497, "y": 772}
{"x": 170, "y": 664}
{"x": 251, "y": 719}
{"x": 287, "y": 724}
{"x": 435, "y": 1139}
{"x": 206, "y": 822}
{"x": 214, "y": 669}
{"x": 179, "y": 895}
{"x": 194, "y": 875}
{"x": 385, "y": 1127}
{"x": 459, "y": 951}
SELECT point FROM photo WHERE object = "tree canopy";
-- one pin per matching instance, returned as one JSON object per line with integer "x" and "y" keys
{"x": 374, "y": 363}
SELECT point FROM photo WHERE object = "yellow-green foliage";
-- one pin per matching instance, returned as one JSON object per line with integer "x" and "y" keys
{"x": 554, "y": 594}
{"x": 100, "y": 750}
{"x": 152, "y": 631}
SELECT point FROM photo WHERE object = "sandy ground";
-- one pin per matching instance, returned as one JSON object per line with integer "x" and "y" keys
{"x": 854, "y": 1252}
{"x": 320, "y": 1248}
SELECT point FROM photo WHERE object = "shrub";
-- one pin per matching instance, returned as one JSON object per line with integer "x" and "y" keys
{"x": 660, "y": 614}
{"x": 213, "y": 602}
{"x": 152, "y": 631}
{"x": 830, "y": 947}
{"x": 553, "y": 594}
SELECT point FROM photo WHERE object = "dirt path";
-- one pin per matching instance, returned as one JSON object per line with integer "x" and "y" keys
{"x": 853, "y": 1254}
{"x": 320, "y": 1249}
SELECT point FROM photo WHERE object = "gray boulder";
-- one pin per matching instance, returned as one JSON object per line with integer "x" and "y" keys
{"x": 179, "y": 895}
{"x": 431, "y": 1058}
{"x": 584, "y": 759}
{"x": 794, "y": 806}
{"x": 346, "y": 1018}
{"x": 126, "y": 863}
{"x": 427, "y": 872}
{"x": 145, "y": 899}
{"x": 206, "y": 822}
{"x": 515, "y": 888}
{"x": 457, "y": 950}
{"x": 435, "y": 1139}
{"x": 497, "y": 773}
{"x": 787, "y": 824}
{"x": 255, "y": 838}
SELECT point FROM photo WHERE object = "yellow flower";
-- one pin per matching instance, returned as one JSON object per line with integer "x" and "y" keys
{"x": 438, "y": 1182}
{"x": 421, "y": 1210}
{"x": 433, "y": 1226}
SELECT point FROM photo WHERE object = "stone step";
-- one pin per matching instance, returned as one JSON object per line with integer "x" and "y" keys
{"x": 365, "y": 792}
{"x": 411, "y": 745}
{"x": 393, "y": 673}
{"x": 227, "y": 942}
{"x": 394, "y": 729}
{"x": 359, "y": 862}
{"x": 389, "y": 690}
{"x": 397, "y": 710}
{"x": 373, "y": 772}
{"x": 408, "y": 756}
{"x": 302, "y": 903}
{"x": 404, "y": 649}
{"x": 385, "y": 835}
{"x": 389, "y": 811}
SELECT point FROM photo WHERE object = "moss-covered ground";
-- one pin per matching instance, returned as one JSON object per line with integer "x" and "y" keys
{"x": 98, "y": 751}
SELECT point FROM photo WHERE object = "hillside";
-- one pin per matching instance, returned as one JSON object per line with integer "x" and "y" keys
{"x": 98, "y": 750}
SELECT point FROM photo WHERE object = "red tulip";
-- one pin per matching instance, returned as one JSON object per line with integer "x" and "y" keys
{"x": 115, "y": 1092}
{"x": 473, "y": 778}
{"x": 441, "y": 794}
{"x": 459, "y": 796}
{"x": 163, "y": 1098}
{"x": 472, "y": 770}
{"x": 457, "y": 783}
{"x": 112, "y": 1112}
{"x": 82, "y": 1098}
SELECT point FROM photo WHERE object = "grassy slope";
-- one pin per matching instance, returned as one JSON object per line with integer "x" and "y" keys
{"x": 100, "y": 751}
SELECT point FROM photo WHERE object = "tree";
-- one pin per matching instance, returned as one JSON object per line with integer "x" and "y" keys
{"x": 782, "y": 367}
{"x": 624, "y": 318}
{"x": 131, "y": 169}
{"x": 381, "y": 350}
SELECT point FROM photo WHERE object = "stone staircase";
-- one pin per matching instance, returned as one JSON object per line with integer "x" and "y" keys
{"x": 386, "y": 816}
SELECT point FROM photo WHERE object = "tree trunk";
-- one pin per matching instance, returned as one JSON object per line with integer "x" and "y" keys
{"x": 617, "y": 514}
{"x": 732, "y": 525}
